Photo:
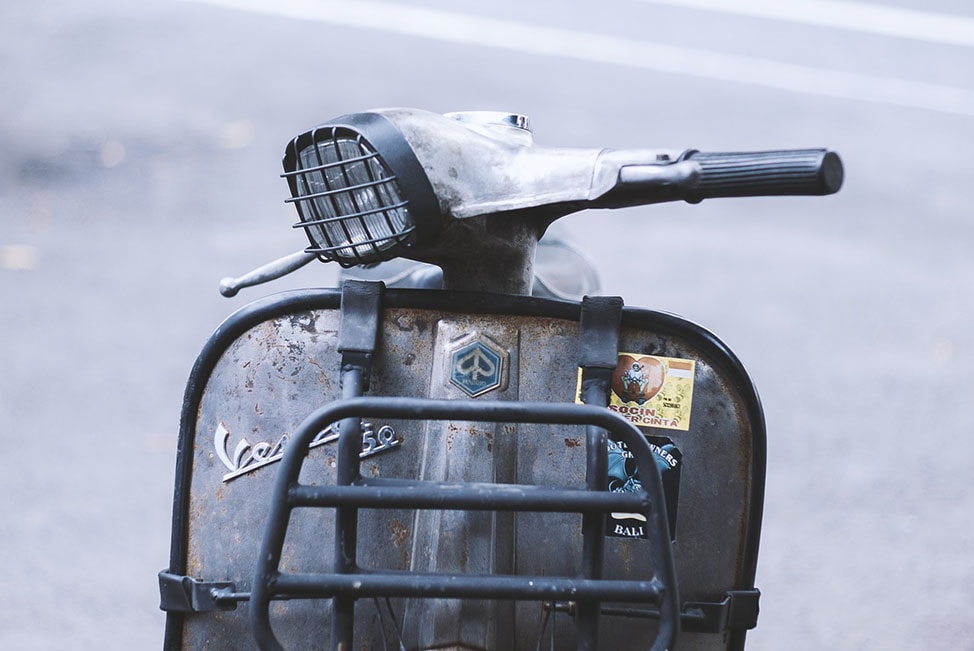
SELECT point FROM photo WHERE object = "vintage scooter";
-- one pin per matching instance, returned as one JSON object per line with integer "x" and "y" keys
{"x": 465, "y": 465}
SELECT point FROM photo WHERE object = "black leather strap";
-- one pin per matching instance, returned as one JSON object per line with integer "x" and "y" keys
{"x": 598, "y": 344}
{"x": 598, "y": 351}
{"x": 358, "y": 331}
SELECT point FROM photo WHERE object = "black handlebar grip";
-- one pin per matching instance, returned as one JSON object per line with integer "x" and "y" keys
{"x": 764, "y": 173}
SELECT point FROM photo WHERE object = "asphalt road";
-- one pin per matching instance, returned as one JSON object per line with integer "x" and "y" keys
{"x": 139, "y": 161}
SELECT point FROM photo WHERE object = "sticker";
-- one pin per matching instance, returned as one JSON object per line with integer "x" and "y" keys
{"x": 624, "y": 478}
{"x": 648, "y": 391}
{"x": 651, "y": 391}
{"x": 248, "y": 457}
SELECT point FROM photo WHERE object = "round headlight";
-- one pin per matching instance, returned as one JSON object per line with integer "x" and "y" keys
{"x": 360, "y": 192}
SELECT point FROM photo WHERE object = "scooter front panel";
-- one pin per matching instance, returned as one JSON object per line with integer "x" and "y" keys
{"x": 275, "y": 362}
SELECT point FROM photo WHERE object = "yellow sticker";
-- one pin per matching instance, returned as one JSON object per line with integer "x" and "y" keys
{"x": 651, "y": 391}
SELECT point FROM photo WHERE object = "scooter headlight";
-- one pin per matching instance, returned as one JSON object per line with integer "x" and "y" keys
{"x": 361, "y": 194}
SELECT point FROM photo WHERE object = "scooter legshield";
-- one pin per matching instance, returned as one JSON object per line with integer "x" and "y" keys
{"x": 276, "y": 361}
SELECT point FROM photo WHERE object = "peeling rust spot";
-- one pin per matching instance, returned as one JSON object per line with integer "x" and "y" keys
{"x": 404, "y": 323}
{"x": 409, "y": 359}
{"x": 399, "y": 532}
{"x": 625, "y": 551}
{"x": 305, "y": 321}
{"x": 473, "y": 432}
{"x": 572, "y": 443}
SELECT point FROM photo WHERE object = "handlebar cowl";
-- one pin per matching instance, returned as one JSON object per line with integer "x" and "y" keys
{"x": 402, "y": 182}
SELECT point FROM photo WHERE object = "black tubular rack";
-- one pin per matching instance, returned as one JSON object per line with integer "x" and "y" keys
{"x": 351, "y": 492}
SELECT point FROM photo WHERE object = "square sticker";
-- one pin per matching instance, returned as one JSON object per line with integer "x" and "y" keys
{"x": 651, "y": 391}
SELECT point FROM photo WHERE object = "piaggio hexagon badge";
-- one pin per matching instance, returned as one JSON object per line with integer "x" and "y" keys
{"x": 478, "y": 365}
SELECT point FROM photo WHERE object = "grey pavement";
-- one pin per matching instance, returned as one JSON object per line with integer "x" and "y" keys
{"x": 139, "y": 160}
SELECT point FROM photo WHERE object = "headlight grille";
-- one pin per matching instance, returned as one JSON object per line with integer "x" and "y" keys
{"x": 349, "y": 201}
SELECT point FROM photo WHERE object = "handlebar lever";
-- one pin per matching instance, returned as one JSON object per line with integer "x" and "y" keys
{"x": 270, "y": 271}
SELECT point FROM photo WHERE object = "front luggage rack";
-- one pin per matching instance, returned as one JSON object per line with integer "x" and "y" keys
{"x": 351, "y": 492}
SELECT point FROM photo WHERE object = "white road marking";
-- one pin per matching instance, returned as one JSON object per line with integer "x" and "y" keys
{"x": 856, "y": 16}
{"x": 471, "y": 30}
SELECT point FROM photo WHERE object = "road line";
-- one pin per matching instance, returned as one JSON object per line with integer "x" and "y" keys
{"x": 471, "y": 30}
{"x": 926, "y": 26}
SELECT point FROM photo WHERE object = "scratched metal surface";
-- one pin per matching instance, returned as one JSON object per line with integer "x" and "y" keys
{"x": 272, "y": 376}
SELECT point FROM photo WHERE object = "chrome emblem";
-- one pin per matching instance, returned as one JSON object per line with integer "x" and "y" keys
{"x": 248, "y": 457}
{"x": 478, "y": 366}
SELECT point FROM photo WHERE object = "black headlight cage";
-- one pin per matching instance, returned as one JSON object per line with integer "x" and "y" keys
{"x": 401, "y": 212}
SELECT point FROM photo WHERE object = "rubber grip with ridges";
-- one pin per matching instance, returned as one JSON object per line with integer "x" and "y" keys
{"x": 762, "y": 173}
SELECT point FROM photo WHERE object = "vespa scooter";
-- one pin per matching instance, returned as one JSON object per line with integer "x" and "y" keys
{"x": 460, "y": 464}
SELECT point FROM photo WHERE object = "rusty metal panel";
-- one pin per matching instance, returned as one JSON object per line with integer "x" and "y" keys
{"x": 276, "y": 365}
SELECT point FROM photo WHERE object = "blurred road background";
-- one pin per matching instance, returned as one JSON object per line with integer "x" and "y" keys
{"x": 139, "y": 160}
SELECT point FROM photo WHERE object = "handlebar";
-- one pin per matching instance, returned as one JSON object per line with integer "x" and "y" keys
{"x": 472, "y": 193}
{"x": 806, "y": 172}
{"x": 388, "y": 183}
{"x": 694, "y": 176}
